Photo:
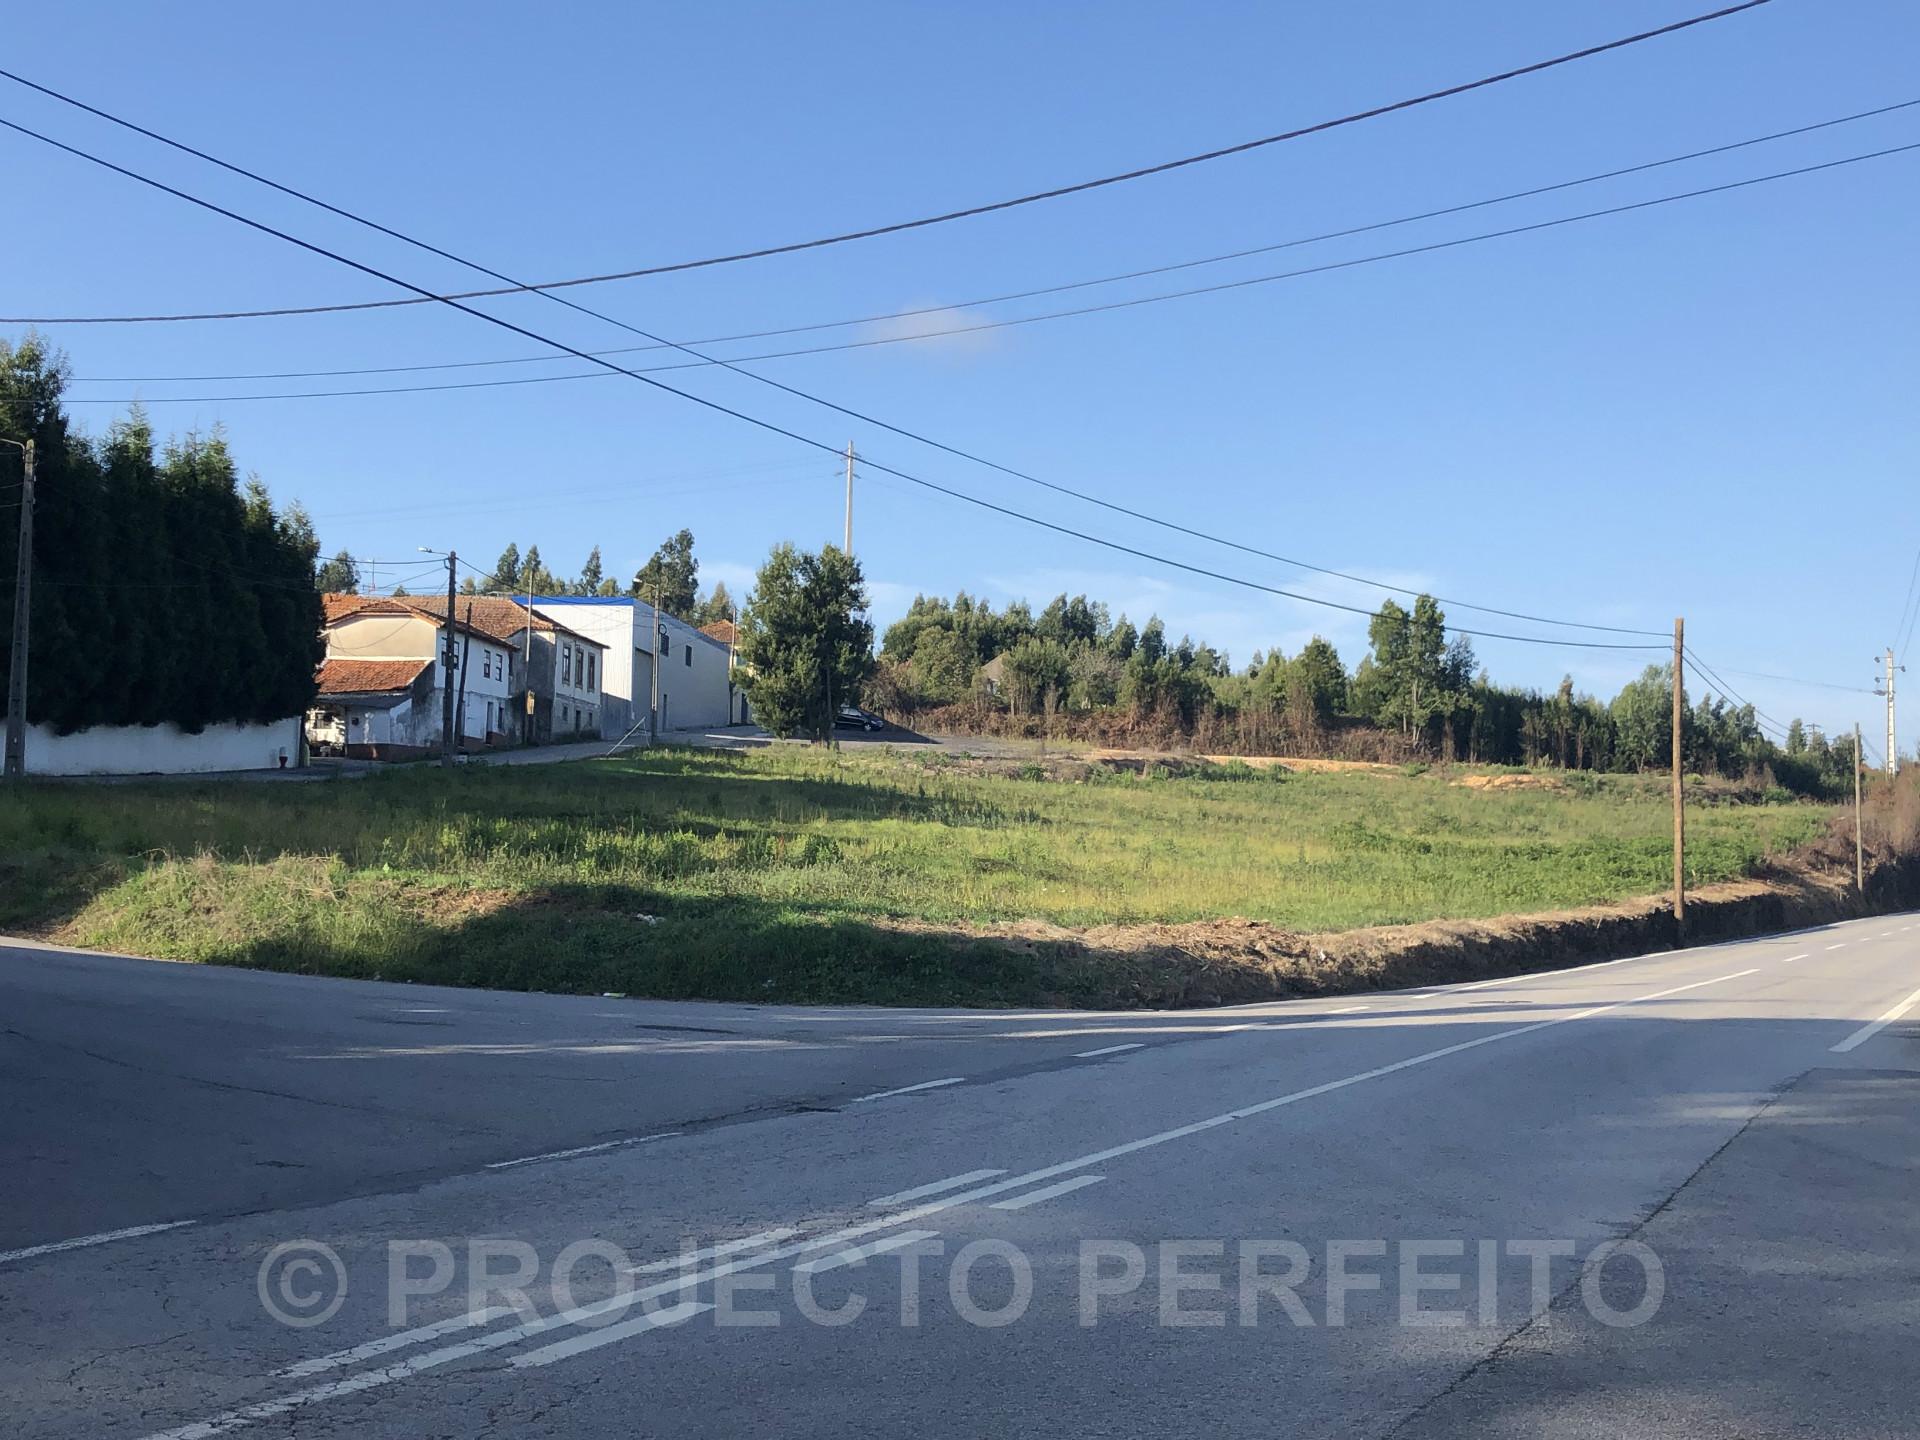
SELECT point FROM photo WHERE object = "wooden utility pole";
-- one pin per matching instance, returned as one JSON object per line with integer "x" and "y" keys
{"x": 1679, "y": 776}
{"x": 452, "y": 664}
{"x": 22, "y": 607}
{"x": 1859, "y": 846}
{"x": 849, "y": 497}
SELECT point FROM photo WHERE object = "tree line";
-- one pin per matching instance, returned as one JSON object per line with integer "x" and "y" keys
{"x": 672, "y": 575}
{"x": 165, "y": 588}
{"x": 1418, "y": 691}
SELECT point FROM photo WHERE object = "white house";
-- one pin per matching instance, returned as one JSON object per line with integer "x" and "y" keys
{"x": 382, "y": 687}
{"x": 696, "y": 690}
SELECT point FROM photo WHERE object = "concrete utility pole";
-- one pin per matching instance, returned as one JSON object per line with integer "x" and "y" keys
{"x": 452, "y": 664}
{"x": 1679, "y": 777}
{"x": 22, "y": 609}
{"x": 1859, "y": 848}
{"x": 849, "y": 497}
{"x": 1893, "y": 735}
{"x": 653, "y": 718}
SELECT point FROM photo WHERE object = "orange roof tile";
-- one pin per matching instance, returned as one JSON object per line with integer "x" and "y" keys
{"x": 364, "y": 677}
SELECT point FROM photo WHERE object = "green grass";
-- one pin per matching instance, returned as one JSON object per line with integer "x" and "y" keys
{"x": 799, "y": 874}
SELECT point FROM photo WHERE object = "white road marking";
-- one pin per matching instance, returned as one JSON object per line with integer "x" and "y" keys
{"x": 920, "y": 1192}
{"x": 1841, "y": 946}
{"x": 1791, "y": 958}
{"x": 398, "y": 1340}
{"x": 231, "y": 1419}
{"x": 1348, "y": 1010}
{"x": 854, "y": 1254}
{"x": 1868, "y": 1031}
{"x": 581, "y": 1150}
{"x": 83, "y": 1241}
{"x": 725, "y": 1247}
{"x": 907, "y": 1089}
{"x": 626, "y": 1329}
{"x": 1047, "y": 1192}
{"x": 1109, "y": 1050}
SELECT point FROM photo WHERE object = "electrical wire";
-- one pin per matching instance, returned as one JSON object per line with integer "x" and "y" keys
{"x": 898, "y": 315}
{"x": 871, "y": 342}
{"x": 923, "y": 222}
{"x": 854, "y": 414}
{"x": 753, "y": 420}
{"x": 1761, "y": 716}
{"x": 1909, "y": 611}
{"x": 1796, "y": 680}
{"x": 915, "y": 436}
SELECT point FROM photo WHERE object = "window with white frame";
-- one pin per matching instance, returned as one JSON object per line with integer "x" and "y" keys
{"x": 592, "y": 666}
{"x": 566, "y": 664}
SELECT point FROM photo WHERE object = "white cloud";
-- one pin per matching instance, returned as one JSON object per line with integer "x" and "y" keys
{"x": 942, "y": 330}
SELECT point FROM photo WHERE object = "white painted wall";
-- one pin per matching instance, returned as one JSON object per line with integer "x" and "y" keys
{"x": 162, "y": 749}
{"x": 693, "y": 675}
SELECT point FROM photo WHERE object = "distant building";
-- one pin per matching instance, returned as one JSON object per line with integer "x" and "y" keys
{"x": 383, "y": 685}
{"x": 696, "y": 690}
{"x": 558, "y": 667}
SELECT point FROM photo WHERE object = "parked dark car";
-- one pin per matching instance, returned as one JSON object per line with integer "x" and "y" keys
{"x": 851, "y": 717}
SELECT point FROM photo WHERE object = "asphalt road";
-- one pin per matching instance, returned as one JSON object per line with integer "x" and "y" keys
{"x": 1359, "y": 1217}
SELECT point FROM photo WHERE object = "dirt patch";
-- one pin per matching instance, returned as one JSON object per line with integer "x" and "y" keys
{"x": 1236, "y": 960}
{"x": 1509, "y": 782}
{"x": 1303, "y": 764}
{"x": 446, "y": 905}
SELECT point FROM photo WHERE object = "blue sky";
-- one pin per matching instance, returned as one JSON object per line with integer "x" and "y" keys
{"x": 1705, "y": 409}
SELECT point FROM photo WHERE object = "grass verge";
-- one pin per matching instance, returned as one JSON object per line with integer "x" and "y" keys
{"x": 796, "y": 875}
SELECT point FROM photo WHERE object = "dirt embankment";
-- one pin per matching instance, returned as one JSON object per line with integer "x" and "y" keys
{"x": 1222, "y": 962}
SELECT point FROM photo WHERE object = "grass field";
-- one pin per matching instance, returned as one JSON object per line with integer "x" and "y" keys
{"x": 793, "y": 874}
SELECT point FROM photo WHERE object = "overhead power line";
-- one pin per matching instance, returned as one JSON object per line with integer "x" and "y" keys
{"x": 1797, "y": 680}
{"x": 945, "y": 217}
{"x": 863, "y": 417}
{"x": 1909, "y": 610}
{"x": 738, "y": 360}
{"x": 912, "y": 314}
{"x": 1727, "y": 690}
{"x": 768, "y": 425}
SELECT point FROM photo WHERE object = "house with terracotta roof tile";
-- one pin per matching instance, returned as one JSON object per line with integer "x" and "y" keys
{"x": 555, "y": 673}
{"x": 383, "y": 685}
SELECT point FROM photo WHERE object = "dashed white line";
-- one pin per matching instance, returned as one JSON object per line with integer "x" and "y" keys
{"x": 581, "y": 1150}
{"x": 1841, "y": 946}
{"x": 1348, "y": 1010}
{"x": 1047, "y": 1192}
{"x": 399, "y": 1340}
{"x": 920, "y": 1192}
{"x": 1872, "y": 1028}
{"x": 907, "y": 1089}
{"x": 1109, "y": 1050}
{"x": 83, "y": 1241}
{"x": 1791, "y": 958}
{"x": 854, "y": 1254}
{"x": 626, "y": 1329}
{"x": 725, "y": 1247}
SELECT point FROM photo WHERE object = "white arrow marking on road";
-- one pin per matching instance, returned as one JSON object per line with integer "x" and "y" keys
{"x": 1047, "y": 1192}
{"x": 854, "y": 1254}
{"x": 726, "y": 1247}
{"x": 594, "y": 1339}
{"x": 399, "y": 1340}
{"x": 920, "y": 1192}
